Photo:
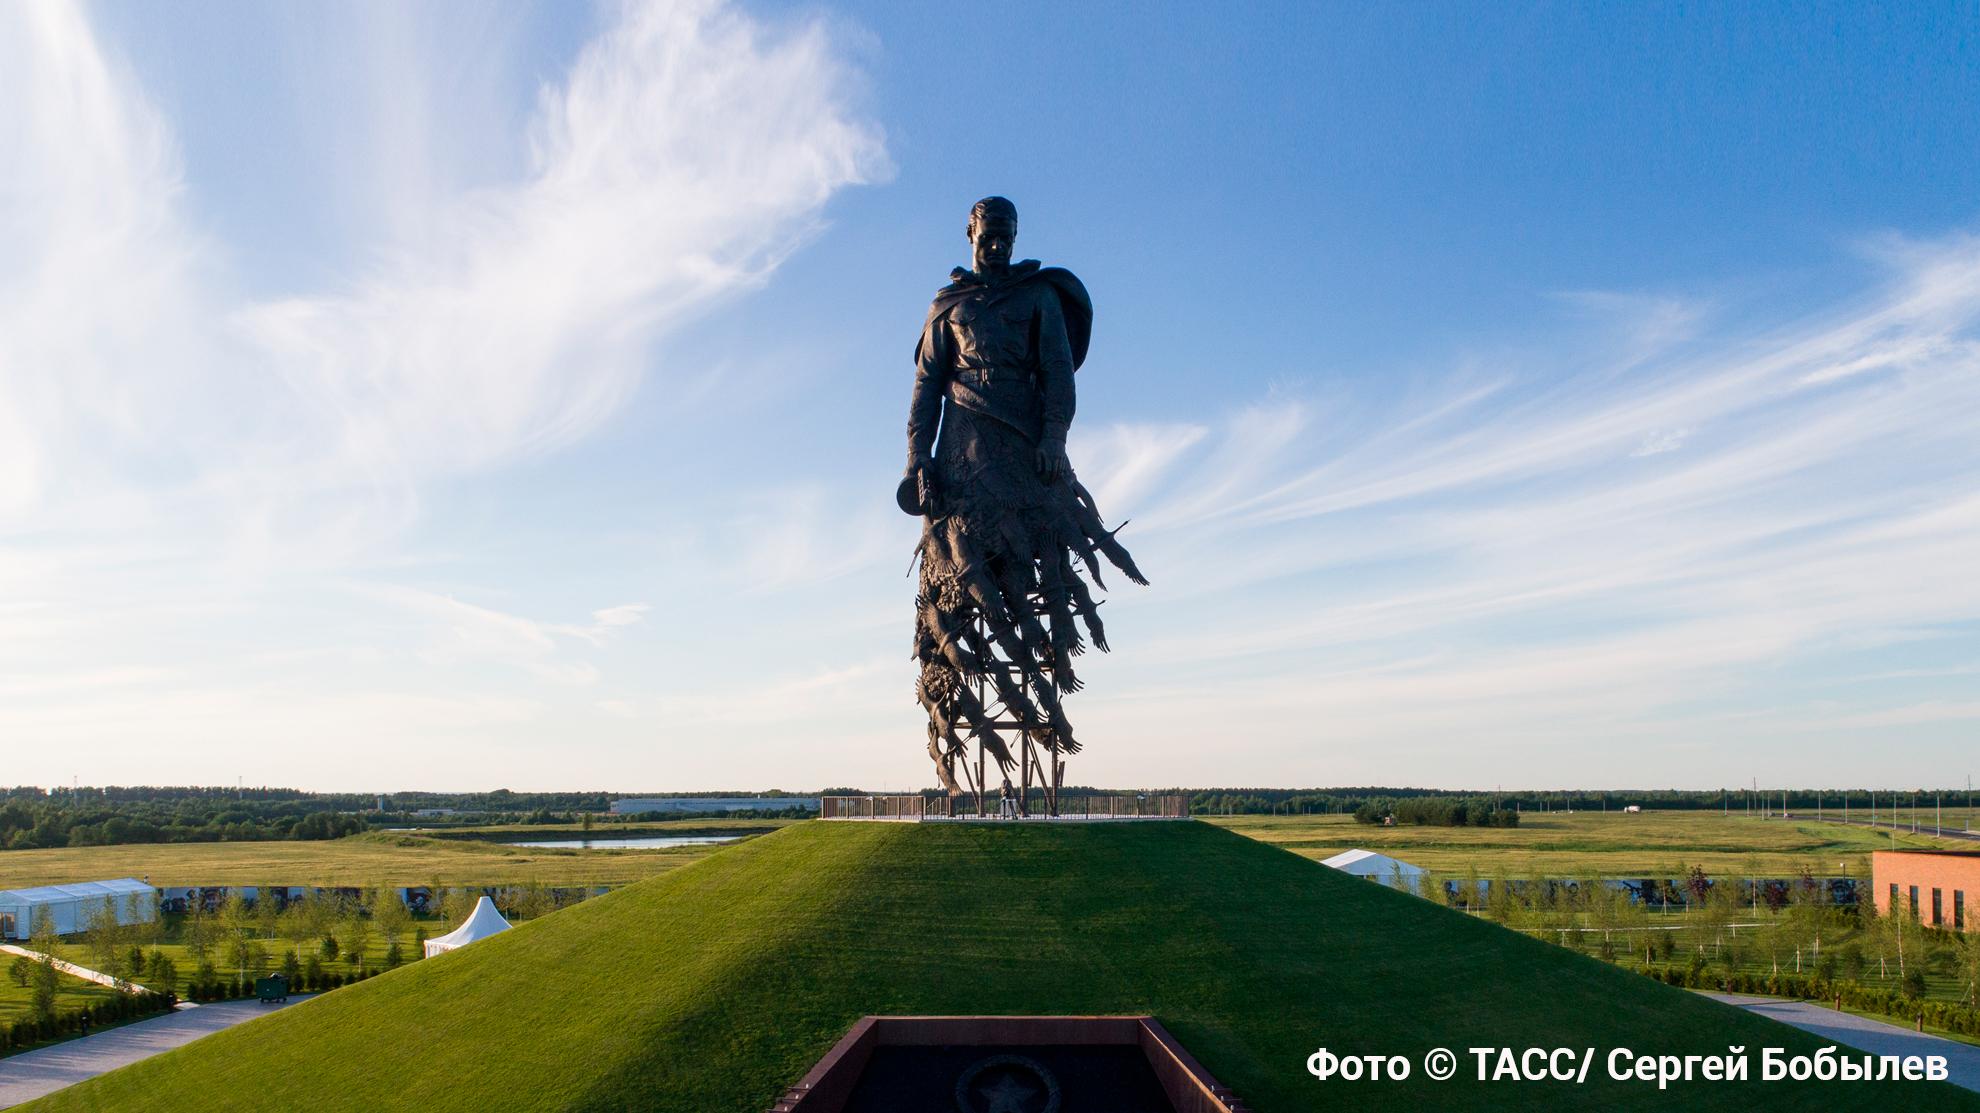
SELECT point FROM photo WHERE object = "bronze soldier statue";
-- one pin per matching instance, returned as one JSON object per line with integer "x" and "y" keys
{"x": 1004, "y": 517}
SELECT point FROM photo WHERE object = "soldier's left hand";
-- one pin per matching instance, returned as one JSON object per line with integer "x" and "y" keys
{"x": 1051, "y": 460}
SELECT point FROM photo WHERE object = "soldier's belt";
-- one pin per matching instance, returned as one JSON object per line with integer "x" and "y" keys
{"x": 989, "y": 376}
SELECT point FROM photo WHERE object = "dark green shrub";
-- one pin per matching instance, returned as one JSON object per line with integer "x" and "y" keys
{"x": 1851, "y": 957}
{"x": 1913, "y": 983}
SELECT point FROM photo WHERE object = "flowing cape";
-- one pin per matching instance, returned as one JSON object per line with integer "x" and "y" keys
{"x": 1074, "y": 301}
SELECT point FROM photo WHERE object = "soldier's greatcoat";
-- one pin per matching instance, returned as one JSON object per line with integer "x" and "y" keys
{"x": 993, "y": 386}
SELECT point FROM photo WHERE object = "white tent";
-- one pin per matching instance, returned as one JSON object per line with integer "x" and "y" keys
{"x": 1377, "y": 867}
{"x": 73, "y": 906}
{"x": 483, "y": 922}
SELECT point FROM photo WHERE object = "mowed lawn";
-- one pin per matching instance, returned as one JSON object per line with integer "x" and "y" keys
{"x": 173, "y": 946}
{"x": 714, "y": 987}
{"x": 71, "y": 993}
{"x": 628, "y": 829}
{"x": 1554, "y": 844}
{"x": 373, "y": 859}
{"x": 1612, "y": 844}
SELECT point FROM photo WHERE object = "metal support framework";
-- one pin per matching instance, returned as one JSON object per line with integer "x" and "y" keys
{"x": 1024, "y": 774}
{"x": 1032, "y": 752}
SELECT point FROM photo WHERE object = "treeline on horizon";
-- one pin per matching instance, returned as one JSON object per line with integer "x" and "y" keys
{"x": 1438, "y": 811}
{"x": 32, "y": 817}
{"x": 35, "y": 818}
{"x": 1346, "y": 801}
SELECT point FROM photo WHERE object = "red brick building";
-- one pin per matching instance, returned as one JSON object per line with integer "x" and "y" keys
{"x": 1940, "y": 887}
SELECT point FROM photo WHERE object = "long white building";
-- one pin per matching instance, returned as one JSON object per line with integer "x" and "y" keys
{"x": 72, "y": 906}
{"x": 644, "y": 805}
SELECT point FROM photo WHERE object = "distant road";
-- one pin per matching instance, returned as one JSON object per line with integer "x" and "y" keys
{"x": 1865, "y": 1034}
{"x": 1901, "y": 828}
{"x": 34, "y": 1074}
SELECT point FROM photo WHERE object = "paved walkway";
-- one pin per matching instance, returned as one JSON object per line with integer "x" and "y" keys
{"x": 65, "y": 967}
{"x": 1860, "y": 1032}
{"x": 32, "y": 1074}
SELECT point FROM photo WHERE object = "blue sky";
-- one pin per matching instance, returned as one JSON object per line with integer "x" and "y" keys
{"x": 455, "y": 397}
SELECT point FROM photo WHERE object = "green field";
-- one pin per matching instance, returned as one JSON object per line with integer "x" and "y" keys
{"x": 605, "y": 829}
{"x": 70, "y": 993}
{"x": 461, "y": 856}
{"x": 169, "y": 940}
{"x": 1613, "y": 844}
{"x": 715, "y": 986}
{"x": 1556, "y": 844}
{"x": 275, "y": 948}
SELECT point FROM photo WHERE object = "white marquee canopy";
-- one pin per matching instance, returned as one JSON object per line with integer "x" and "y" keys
{"x": 483, "y": 922}
{"x": 1377, "y": 867}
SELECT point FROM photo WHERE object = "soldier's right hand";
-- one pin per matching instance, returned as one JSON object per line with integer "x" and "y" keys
{"x": 928, "y": 491}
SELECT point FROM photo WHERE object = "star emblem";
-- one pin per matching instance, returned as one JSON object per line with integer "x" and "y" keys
{"x": 1008, "y": 1095}
{"x": 1007, "y": 1084}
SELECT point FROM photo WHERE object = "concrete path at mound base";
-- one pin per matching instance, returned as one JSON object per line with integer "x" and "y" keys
{"x": 34, "y": 1074}
{"x": 1865, "y": 1034}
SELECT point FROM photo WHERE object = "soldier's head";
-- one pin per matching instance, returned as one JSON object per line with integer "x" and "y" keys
{"x": 992, "y": 232}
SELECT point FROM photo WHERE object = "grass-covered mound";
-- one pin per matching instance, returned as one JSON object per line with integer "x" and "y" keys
{"x": 712, "y": 988}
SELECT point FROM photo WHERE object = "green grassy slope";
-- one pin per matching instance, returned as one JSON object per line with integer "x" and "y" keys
{"x": 713, "y": 987}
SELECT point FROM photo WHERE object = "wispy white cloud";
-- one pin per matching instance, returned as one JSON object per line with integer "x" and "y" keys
{"x": 688, "y": 150}
{"x": 186, "y": 455}
{"x": 1547, "y": 564}
{"x": 862, "y": 692}
{"x": 1240, "y": 465}
{"x": 1659, "y": 441}
{"x": 1663, "y": 526}
{"x": 625, "y": 614}
{"x": 1487, "y": 578}
{"x": 458, "y": 630}
{"x": 1968, "y": 669}
{"x": 1122, "y": 464}
{"x": 1928, "y": 711}
{"x": 805, "y": 535}
{"x": 101, "y": 274}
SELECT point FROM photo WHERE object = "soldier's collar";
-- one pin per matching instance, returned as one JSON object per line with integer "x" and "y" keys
{"x": 963, "y": 276}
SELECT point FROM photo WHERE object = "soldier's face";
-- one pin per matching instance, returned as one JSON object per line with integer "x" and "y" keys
{"x": 993, "y": 242}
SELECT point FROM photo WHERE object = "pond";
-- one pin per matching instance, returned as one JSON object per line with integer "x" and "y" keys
{"x": 648, "y": 842}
